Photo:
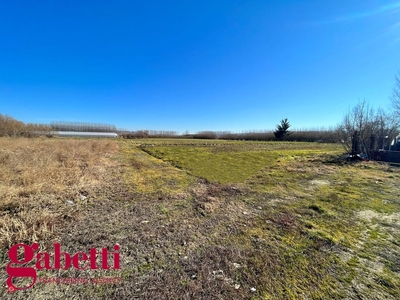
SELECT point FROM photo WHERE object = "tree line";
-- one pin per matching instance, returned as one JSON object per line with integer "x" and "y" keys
{"x": 303, "y": 135}
{"x": 366, "y": 130}
{"x": 140, "y": 134}
{"x": 82, "y": 127}
{"x": 13, "y": 128}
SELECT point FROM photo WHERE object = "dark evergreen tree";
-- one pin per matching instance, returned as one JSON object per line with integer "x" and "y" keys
{"x": 282, "y": 129}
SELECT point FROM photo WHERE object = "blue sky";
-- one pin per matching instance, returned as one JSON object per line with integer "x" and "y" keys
{"x": 196, "y": 65}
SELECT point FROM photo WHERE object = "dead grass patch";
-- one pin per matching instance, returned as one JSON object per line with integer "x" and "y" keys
{"x": 42, "y": 180}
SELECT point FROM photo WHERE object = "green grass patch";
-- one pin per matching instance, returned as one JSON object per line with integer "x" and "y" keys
{"x": 150, "y": 176}
{"x": 299, "y": 222}
{"x": 232, "y": 162}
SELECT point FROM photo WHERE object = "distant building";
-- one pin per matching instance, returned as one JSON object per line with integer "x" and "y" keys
{"x": 390, "y": 154}
{"x": 395, "y": 145}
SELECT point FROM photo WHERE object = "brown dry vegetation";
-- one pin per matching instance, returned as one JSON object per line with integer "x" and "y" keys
{"x": 41, "y": 178}
{"x": 11, "y": 127}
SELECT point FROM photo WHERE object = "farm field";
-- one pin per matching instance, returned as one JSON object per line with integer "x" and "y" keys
{"x": 204, "y": 219}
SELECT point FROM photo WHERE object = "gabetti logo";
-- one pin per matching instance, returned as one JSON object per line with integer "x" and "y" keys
{"x": 17, "y": 268}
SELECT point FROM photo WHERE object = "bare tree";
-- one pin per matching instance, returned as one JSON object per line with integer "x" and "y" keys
{"x": 364, "y": 131}
{"x": 395, "y": 97}
{"x": 10, "y": 126}
{"x": 355, "y": 126}
{"x": 386, "y": 127}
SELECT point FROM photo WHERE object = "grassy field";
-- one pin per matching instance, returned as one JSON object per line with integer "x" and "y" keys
{"x": 205, "y": 219}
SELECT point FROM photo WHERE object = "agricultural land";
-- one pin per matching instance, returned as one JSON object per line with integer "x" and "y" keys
{"x": 204, "y": 219}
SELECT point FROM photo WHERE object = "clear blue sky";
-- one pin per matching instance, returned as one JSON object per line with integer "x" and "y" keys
{"x": 196, "y": 65}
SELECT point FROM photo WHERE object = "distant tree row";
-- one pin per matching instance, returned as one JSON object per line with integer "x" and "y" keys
{"x": 82, "y": 127}
{"x": 207, "y": 135}
{"x": 304, "y": 135}
{"x": 312, "y": 135}
{"x": 139, "y": 134}
{"x": 13, "y": 128}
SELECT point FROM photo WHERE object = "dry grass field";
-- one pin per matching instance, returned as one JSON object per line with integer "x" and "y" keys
{"x": 41, "y": 178}
{"x": 204, "y": 219}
